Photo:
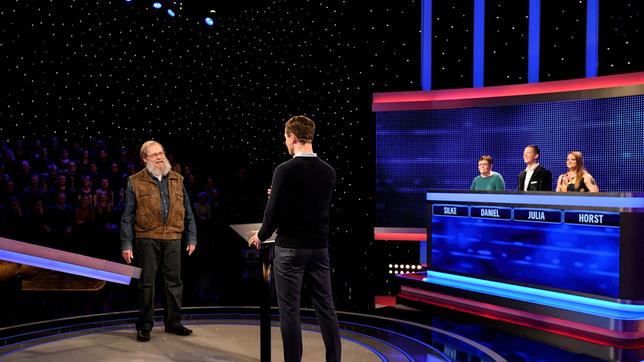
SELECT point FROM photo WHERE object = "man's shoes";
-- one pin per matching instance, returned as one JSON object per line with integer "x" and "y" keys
{"x": 179, "y": 330}
{"x": 143, "y": 335}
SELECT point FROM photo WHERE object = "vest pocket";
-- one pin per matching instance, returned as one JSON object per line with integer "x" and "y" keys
{"x": 144, "y": 214}
{"x": 180, "y": 208}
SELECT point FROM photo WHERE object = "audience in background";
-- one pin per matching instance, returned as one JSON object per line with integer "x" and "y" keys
{"x": 70, "y": 195}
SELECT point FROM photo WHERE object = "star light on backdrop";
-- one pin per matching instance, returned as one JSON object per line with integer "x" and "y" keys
{"x": 126, "y": 72}
{"x": 217, "y": 96}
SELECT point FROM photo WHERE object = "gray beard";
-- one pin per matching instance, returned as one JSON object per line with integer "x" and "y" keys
{"x": 159, "y": 172}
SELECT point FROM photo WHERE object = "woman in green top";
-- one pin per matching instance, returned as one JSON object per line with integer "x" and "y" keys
{"x": 488, "y": 180}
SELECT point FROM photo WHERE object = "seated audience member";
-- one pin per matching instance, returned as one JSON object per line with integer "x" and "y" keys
{"x": 61, "y": 219}
{"x": 119, "y": 204}
{"x": 16, "y": 220}
{"x": 94, "y": 174}
{"x": 488, "y": 179}
{"x": 85, "y": 211}
{"x": 535, "y": 177}
{"x": 8, "y": 192}
{"x": 577, "y": 178}
{"x": 51, "y": 176}
{"x": 85, "y": 162}
{"x": 63, "y": 161}
{"x": 23, "y": 175}
{"x": 33, "y": 191}
{"x": 116, "y": 177}
{"x": 104, "y": 215}
{"x": 61, "y": 186}
{"x": 73, "y": 176}
{"x": 86, "y": 189}
{"x": 104, "y": 188}
{"x": 39, "y": 232}
{"x": 202, "y": 208}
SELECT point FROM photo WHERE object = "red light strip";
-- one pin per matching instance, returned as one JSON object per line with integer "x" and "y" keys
{"x": 400, "y": 236}
{"x": 424, "y": 99}
{"x": 629, "y": 340}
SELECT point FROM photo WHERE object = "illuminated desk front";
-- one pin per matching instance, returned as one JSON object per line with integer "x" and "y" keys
{"x": 586, "y": 244}
{"x": 573, "y": 260}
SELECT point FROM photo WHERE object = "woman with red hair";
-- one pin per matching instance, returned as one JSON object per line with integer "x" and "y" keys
{"x": 577, "y": 178}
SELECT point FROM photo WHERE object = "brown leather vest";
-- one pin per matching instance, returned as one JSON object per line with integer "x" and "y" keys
{"x": 148, "y": 221}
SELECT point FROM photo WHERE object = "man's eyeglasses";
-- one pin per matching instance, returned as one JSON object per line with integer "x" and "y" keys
{"x": 155, "y": 155}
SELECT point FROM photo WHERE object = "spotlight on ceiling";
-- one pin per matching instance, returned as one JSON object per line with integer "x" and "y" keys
{"x": 157, "y": 5}
{"x": 209, "y": 21}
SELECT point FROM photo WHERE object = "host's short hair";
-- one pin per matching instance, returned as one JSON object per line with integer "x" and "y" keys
{"x": 302, "y": 127}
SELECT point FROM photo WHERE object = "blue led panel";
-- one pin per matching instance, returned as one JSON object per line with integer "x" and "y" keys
{"x": 582, "y": 258}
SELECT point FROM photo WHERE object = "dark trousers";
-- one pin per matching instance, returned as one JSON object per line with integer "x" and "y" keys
{"x": 153, "y": 254}
{"x": 292, "y": 267}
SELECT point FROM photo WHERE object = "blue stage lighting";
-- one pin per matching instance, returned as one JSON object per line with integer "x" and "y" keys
{"x": 209, "y": 21}
{"x": 157, "y": 5}
{"x": 576, "y": 303}
{"x": 64, "y": 267}
{"x": 171, "y": 13}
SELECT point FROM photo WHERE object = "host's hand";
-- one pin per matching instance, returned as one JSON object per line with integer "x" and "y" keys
{"x": 190, "y": 249}
{"x": 268, "y": 192}
{"x": 254, "y": 241}
{"x": 128, "y": 255}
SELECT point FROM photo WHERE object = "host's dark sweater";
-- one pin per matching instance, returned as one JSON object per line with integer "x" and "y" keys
{"x": 298, "y": 207}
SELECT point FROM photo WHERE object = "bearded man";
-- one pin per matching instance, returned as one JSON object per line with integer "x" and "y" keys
{"x": 157, "y": 211}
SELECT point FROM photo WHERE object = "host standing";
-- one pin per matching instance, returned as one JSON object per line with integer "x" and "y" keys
{"x": 298, "y": 208}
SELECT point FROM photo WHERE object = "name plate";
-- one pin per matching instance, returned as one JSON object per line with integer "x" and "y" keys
{"x": 491, "y": 212}
{"x": 537, "y": 215}
{"x": 592, "y": 218}
{"x": 451, "y": 210}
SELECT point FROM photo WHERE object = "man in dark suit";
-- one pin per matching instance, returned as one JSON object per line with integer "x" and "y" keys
{"x": 298, "y": 208}
{"x": 535, "y": 177}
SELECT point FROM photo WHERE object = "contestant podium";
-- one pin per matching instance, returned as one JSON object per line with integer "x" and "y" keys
{"x": 571, "y": 264}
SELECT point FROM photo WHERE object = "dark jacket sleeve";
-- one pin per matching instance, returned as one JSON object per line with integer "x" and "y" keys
{"x": 521, "y": 179}
{"x": 127, "y": 219}
{"x": 276, "y": 206}
{"x": 546, "y": 180}
{"x": 189, "y": 220}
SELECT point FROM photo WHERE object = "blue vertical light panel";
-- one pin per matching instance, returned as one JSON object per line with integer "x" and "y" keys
{"x": 592, "y": 34}
{"x": 479, "y": 42}
{"x": 534, "y": 29}
{"x": 426, "y": 45}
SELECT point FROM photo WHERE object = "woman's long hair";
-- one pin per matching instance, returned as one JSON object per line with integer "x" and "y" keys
{"x": 579, "y": 169}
